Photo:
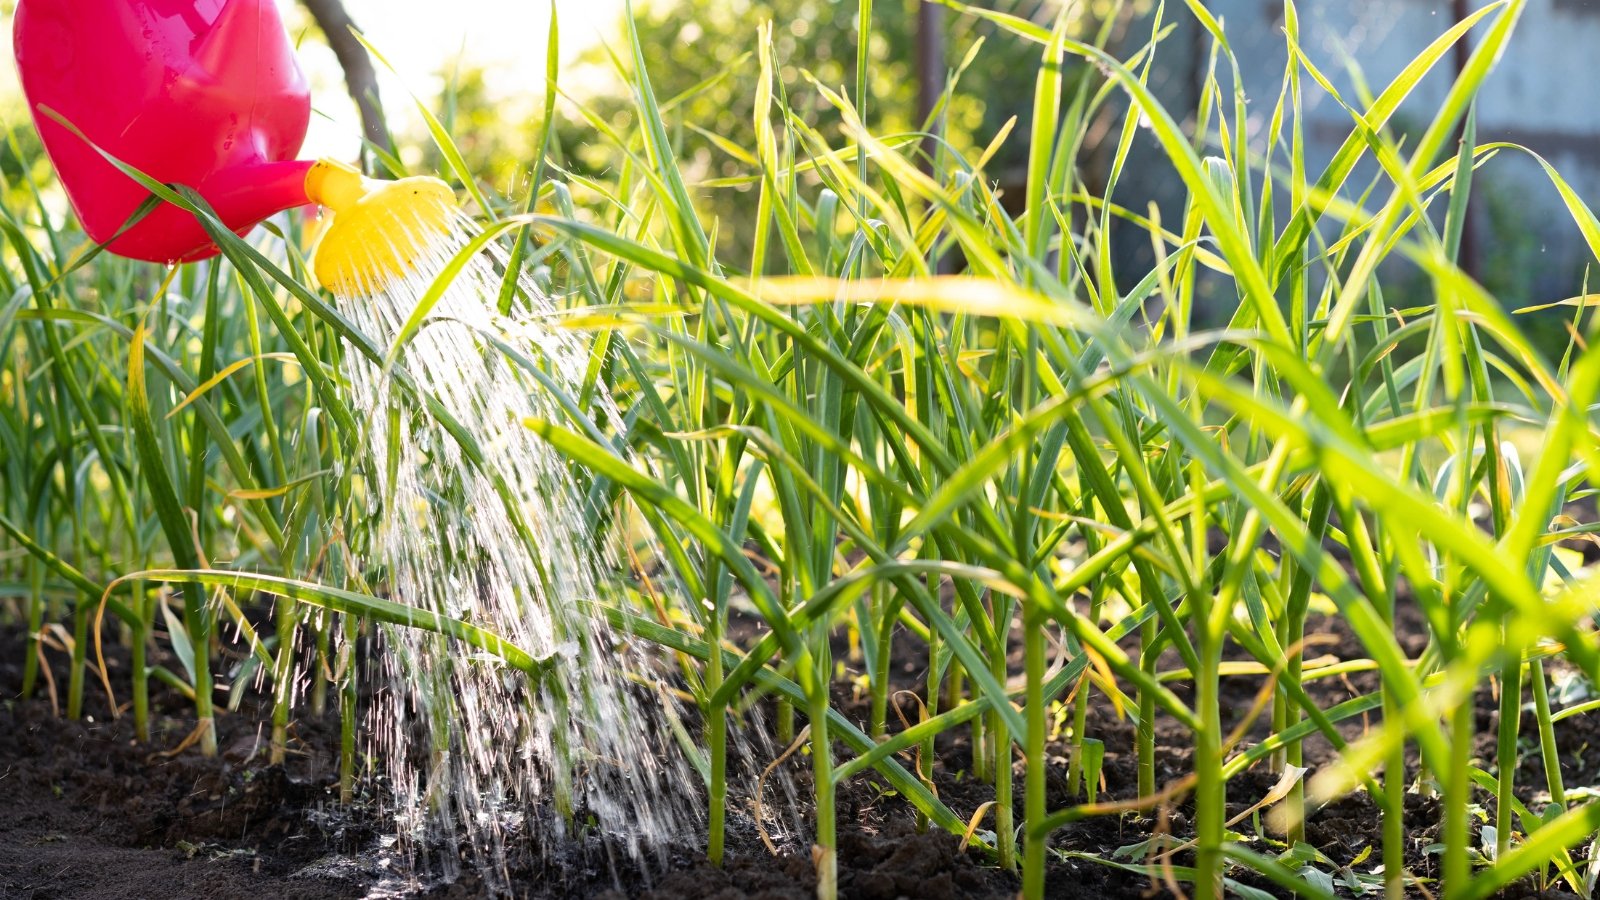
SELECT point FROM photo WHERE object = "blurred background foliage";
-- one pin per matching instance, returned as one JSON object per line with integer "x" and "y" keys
{"x": 701, "y": 55}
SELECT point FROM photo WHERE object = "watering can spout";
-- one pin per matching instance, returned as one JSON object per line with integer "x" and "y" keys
{"x": 244, "y": 195}
{"x": 381, "y": 231}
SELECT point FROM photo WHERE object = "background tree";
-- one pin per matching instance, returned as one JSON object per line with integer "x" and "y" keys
{"x": 360, "y": 78}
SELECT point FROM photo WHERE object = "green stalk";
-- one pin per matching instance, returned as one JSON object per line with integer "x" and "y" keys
{"x": 1506, "y": 754}
{"x": 137, "y": 649}
{"x": 199, "y": 442}
{"x": 1080, "y": 714}
{"x": 717, "y": 741}
{"x": 1210, "y": 796}
{"x": 1457, "y": 796}
{"x": 1548, "y": 750}
{"x": 67, "y": 383}
{"x": 174, "y": 524}
{"x": 347, "y": 708}
{"x": 1280, "y": 710}
{"x": 319, "y": 676}
{"x": 889, "y": 613}
{"x": 1296, "y": 605}
{"x": 827, "y": 850}
{"x": 282, "y": 680}
{"x": 1080, "y": 720}
{"x": 1000, "y": 757}
{"x": 198, "y": 621}
{"x": 36, "y": 608}
{"x": 1547, "y": 736}
{"x": 1145, "y": 735}
{"x": 1547, "y": 742}
{"x": 925, "y": 754}
{"x": 1294, "y": 752}
{"x": 81, "y": 613}
{"x": 85, "y": 603}
{"x": 980, "y": 747}
{"x": 562, "y": 793}
{"x": 1394, "y": 821}
{"x": 1394, "y": 768}
{"x": 1036, "y": 841}
{"x": 287, "y": 615}
{"x": 1394, "y": 778}
{"x": 784, "y": 727}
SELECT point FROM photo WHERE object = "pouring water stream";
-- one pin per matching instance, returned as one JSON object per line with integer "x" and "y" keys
{"x": 512, "y": 546}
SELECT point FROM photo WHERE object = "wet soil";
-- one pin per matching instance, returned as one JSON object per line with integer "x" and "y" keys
{"x": 87, "y": 812}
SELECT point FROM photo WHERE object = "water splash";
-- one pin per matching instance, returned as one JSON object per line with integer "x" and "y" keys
{"x": 473, "y": 750}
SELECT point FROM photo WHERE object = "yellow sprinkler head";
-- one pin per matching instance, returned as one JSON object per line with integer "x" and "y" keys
{"x": 380, "y": 229}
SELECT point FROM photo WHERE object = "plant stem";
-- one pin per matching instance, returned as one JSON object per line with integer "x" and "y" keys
{"x": 980, "y": 748}
{"x": 563, "y": 778}
{"x": 785, "y": 723}
{"x": 925, "y": 754}
{"x": 1000, "y": 738}
{"x": 1394, "y": 822}
{"x": 827, "y": 846}
{"x": 1394, "y": 782}
{"x": 880, "y": 676}
{"x": 1296, "y": 605}
{"x": 1548, "y": 750}
{"x": 1080, "y": 719}
{"x": 200, "y": 635}
{"x": 1210, "y": 797}
{"x": 80, "y": 651}
{"x": 1294, "y": 753}
{"x": 347, "y": 708}
{"x": 717, "y": 735}
{"x": 1035, "y": 841}
{"x": 1080, "y": 715}
{"x": 140, "y": 676}
{"x": 1145, "y": 736}
{"x": 319, "y": 676}
{"x": 1547, "y": 736}
{"x": 283, "y": 680}
{"x": 1457, "y": 795}
{"x": 717, "y": 739}
{"x": 1506, "y": 754}
{"x": 36, "y": 607}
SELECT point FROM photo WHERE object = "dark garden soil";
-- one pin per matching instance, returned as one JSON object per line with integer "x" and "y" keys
{"x": 86, "y": 812}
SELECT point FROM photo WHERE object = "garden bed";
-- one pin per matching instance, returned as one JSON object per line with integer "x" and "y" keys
{"x": 85, "y": 811}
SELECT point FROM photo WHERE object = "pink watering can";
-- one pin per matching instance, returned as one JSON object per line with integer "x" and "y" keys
{"x": 204, "y": 93}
